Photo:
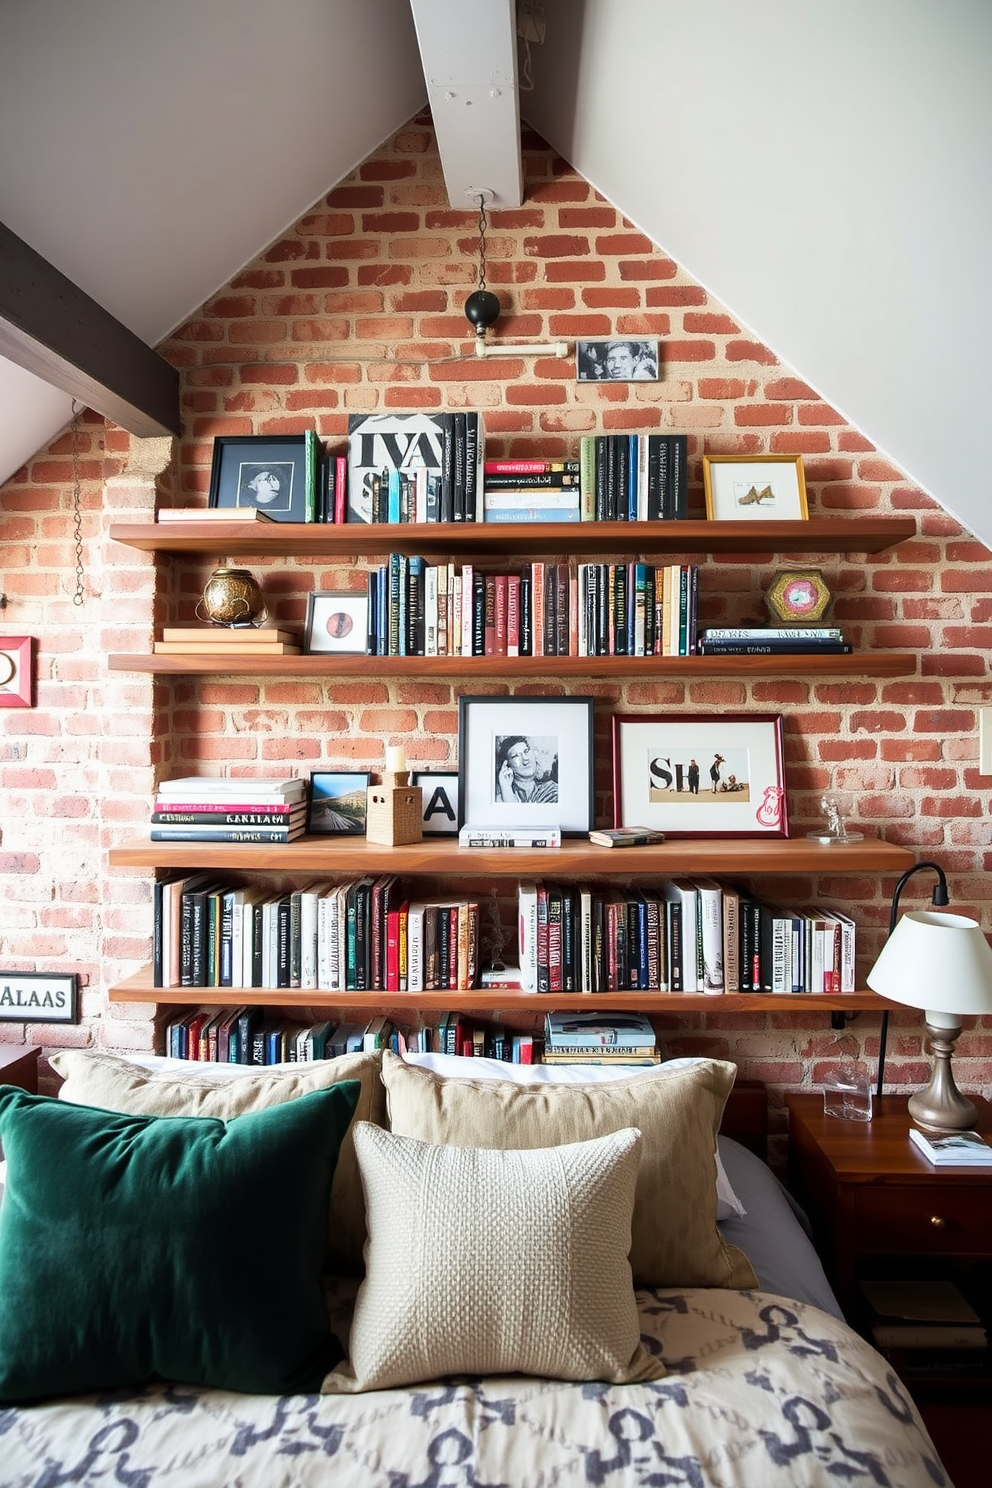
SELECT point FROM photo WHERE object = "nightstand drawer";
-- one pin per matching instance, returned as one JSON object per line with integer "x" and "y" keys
{"x": 930, "y": 1220}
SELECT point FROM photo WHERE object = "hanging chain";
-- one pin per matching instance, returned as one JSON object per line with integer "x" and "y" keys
{"x": 77, "y": 515}
{"x": 482, "y": 241}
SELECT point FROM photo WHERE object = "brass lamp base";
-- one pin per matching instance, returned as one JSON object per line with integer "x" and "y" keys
{"x": 941, "y": 1106}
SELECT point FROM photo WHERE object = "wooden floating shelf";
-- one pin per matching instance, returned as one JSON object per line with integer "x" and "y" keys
{"x": 867, "y": 664}
{"x": 576, "y": 857}
{"x": 846, "y": 534}
{"x": 138, "y": 988}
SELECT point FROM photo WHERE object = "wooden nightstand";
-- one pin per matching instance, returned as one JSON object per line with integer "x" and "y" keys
{"x": 19, "y": 1066}
{"x": 879, "y": 1209}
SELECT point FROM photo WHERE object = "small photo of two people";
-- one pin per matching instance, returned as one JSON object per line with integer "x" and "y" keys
{"x": 686, "y": 775}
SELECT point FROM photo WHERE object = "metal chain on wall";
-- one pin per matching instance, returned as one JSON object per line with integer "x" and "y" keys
{"x": 77, "y": 514}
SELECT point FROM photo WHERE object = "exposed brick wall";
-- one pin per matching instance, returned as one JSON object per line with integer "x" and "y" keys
{"x": 359, "y": 307}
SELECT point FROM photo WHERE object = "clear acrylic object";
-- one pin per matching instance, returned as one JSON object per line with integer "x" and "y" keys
{"x": 847, "y": 1090}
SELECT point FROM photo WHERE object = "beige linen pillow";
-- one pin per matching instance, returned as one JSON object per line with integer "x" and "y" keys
{"x": 675, "y": 1239}
{"x": 97, "y": 1079}
{"x": 486, "y": 1262}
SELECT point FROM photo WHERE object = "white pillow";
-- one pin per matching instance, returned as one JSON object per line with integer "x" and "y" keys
{"x": 460, "y": 1067}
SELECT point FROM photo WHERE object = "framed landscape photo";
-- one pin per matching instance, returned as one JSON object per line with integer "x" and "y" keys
{"x": 273, "y": 472}
{"x": 526, "y": 761}
{"x": 762, "y": 488}
{"x": 337, "y": 623}
{"x": 337, "y": 803}
{"x": 707, "y": 775}
{"x": 440, "y": 794}
{"x": 616, "y": 361}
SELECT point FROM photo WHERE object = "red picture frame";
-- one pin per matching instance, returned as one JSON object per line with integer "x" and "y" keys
{"x": 16, "y": 672}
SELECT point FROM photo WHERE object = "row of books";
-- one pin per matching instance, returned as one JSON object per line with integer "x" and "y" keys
{"x": 544, "y": 609}
{"x": 211, "y": 808}
{"x": 249, "y": 1035}
{"x": 356, "y": 936}
{"x": 684, "y": 935}
{"x": 774, "y": 640}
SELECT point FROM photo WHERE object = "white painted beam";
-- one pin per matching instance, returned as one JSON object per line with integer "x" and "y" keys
{"x": 469, "y": 54}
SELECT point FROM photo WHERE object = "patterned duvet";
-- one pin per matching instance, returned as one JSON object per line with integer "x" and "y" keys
{"x": 761, "y": 1391}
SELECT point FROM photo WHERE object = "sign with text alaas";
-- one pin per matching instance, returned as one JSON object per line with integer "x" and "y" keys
{"x": 38, "y": 997}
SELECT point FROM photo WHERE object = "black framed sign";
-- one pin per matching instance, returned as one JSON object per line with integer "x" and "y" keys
{"x": 273, "y": 472}
{"x": 440, "y": 795}
{"x": 39, "y": 997}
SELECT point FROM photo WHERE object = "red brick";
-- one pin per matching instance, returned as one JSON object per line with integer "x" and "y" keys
{"x": 556, "y": 245}
{"x": 575, "y": 272}
{"x": 647, "y": 269}
{"x": 756, "y": 414}
{"x": 749, "y": 351}
{"x": 688, "y": 351}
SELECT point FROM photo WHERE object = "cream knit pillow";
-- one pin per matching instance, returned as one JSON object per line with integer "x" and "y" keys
{"x": 675, "y": 1239}
{"x": 169, "y": 1089}
{"x": 482, "y": 1262}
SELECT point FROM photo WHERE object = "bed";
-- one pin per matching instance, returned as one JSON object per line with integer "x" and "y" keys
{"x": 755, "y": 1385}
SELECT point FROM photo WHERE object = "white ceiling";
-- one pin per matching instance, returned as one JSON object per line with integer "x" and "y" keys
{"x": 822, "y": 166}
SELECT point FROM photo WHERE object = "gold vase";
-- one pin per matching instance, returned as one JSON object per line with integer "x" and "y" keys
{"x": 231, "y": 596}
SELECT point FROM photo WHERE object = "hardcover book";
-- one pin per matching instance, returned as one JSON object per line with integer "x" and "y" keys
{"x": 384, "y": 442}
{"x": 952, "y": 1149}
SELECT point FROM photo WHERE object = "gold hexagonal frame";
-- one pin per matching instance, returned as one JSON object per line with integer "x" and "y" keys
{"x": 798, "y": 596}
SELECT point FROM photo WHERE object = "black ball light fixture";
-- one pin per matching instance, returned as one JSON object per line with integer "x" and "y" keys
{"x": 482, "y": 307}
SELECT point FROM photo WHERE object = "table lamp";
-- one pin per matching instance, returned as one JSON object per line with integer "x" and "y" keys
{"x": 941, "y": 963}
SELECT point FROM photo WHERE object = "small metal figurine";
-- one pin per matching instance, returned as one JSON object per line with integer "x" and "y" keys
{"x": 836, "y": 826}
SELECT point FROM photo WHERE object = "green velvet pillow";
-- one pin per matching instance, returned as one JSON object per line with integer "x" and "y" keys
{"x": 183, "y": 1248}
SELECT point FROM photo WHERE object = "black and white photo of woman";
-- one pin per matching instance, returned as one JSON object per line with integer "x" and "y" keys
{"x": 526, "y": 769}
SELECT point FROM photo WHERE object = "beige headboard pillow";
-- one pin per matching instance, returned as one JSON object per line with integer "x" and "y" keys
{"x": 675, "y": 1239}
{"x": 97, "y": 1079}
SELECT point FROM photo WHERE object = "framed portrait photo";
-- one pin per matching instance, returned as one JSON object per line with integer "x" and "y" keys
{"x": 337, "y": 622}
{"x": 616, "y": 361}
{"x": 766, "y": 488}
{"x": 708, "y": 775}
{"x": 272, "y": 472}
{"x": 526, "y": 761}
{"x": 16, "y": 672}
{"x": 337, "y": 803}
{"x": 440, "y": 795}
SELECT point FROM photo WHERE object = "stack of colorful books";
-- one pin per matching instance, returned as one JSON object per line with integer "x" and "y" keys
{"x": 211, "y": 808}
{"x": 599, "y": 1038}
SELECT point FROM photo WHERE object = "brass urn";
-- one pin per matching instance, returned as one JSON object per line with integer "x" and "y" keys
{"x": 232, "y": 597}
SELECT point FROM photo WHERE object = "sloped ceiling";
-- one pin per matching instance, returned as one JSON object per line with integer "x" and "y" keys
{"x": 821, "y": 166}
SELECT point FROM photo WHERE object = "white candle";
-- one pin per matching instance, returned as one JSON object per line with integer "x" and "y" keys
{"x": 395, "y": 757}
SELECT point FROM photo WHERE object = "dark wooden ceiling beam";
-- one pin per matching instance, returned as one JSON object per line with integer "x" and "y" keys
{"x": 51, "y": 328}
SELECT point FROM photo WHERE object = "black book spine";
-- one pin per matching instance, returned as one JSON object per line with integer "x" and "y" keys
{"x": 458, "y": 468}
{"x": 226, "y": 936}
{"x": 283, "y": 954}
{"x": 620, "y": 609}
{"x": 198, "y": 939}
{"x": 525, "y": 621}
{"x": 623, "y": 477}
{"x": 601, "y": 475}
{"x": 158, "y": 950}
{"x": 295, "y": 941}
{"x": 256, "y": 945}
{"x": 563, "y": 582}
{"x": 569, "y": 956}
{"x": 471, "y": 466}
{"x": 655, "y": 502}
{"x": 448, "y": 467}
{"x": 678, "y": 483}
{"x": 186, "y": 939}
{"x": 371, "y": 639}
{"x": 550, "y": 609}
{"x": 247, "y": 1022}
{"x": 478, "y": 614}
{"x": 611, "y": 477}
{"x": 673, "y": 918}
{"x": 634, "y": 981}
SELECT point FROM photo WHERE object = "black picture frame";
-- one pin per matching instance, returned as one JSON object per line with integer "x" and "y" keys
{"x": 39, "y": 997}
{"x": 440, "y": 797}
{"x": 348, "y": 788}
{"x": 558, "y": 730}
{"x": 240, "y": 463}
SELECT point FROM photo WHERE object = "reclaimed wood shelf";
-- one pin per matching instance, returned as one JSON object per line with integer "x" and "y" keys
{"x": 867, "y": 664}
{"x": 846, "y": 534}
{"x": 496, "y": 1000}
{"x": 445, "y": 858}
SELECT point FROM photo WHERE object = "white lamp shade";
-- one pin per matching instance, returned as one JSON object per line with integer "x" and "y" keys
{"x": 935, "y": 961}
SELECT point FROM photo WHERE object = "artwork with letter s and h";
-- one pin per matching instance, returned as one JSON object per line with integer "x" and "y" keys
{"x": 716, "y": 775}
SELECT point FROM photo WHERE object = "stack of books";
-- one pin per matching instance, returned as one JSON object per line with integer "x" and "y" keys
{"x": 931, "y": 1320}
{"x": 963, "y": 1149}
{"x": 530, "y": 491}
{"x": 210, "y": 808}
{"x": 599, "y": 1038}
{"x": 509, "y": 836}
{"x": 212, "y": 514}
{"x": 219, "y": 640}
{"x": 774, "y": 640}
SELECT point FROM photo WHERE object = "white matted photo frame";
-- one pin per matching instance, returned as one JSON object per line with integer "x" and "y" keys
{"x": 440, "y": 797}
{"x": 705, "y": 775}
{"x": 337, "y": 623}
{"x": 526, "y": 761}
{"x": 759, "y": 488}
{"x": 16, "y": 672}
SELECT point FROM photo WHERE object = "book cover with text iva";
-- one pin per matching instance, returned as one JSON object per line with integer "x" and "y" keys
{"x": 384, "y": 442}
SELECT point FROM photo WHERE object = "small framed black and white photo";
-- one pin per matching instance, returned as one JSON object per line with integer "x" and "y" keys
{"x": 337, "y": 623}
{"x": 440, "y": 796}
{"x": 338, "y": 803}
{"x": 272, "y": 472}
{"x": 39, "y": 997}
{"x": 616, "y": 361}
{"x": 526, "y": 761}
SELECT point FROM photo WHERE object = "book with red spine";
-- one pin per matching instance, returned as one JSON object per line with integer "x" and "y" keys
{"x": 513, "y": 615}
{"x": 500, "y": 618}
